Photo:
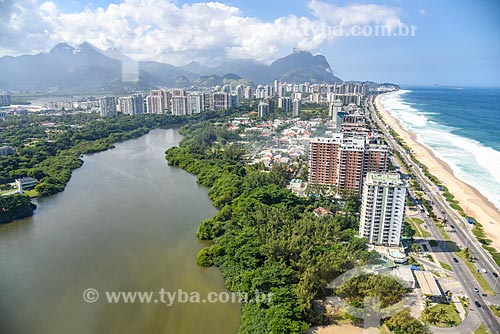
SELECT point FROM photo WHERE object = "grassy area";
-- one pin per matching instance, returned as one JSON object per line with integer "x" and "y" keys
{"x": 495, "y": 311}
{"x": 416, "y": 223}
{"x": 441, "y": 315}
{"x": 445, "y": 266}
{"x": 472, "y": 268}
{"x": 481, "y": 329}
{"x": 31, "y": 193}
{"x": 418, "y": 233}
{"x": 435, "y": 273}
{"x": 443, "y": 232}
{"x": 465, "y": 304}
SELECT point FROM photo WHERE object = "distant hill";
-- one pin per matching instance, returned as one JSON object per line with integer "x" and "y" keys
{"x": 85, "y": 68}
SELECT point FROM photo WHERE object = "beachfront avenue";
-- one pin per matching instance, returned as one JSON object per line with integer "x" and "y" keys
{"x": 179, "y": 296}
{"x": 477, "y": 305}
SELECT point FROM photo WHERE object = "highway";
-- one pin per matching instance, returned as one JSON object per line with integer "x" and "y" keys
{"x": 462, "y": 228}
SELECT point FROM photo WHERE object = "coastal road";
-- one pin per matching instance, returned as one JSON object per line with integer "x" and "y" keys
{"x": 462, "y": 227}
{"x": 463, "y": 275}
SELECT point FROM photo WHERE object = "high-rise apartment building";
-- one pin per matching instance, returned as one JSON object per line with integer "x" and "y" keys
{"x": 296, "y": 107}
{"x": 179, "y": 105}
{"x": 155, "y": 102}
{"x": 125, "y": 104}
{"x": 285, "y": 103}
{"x": 248, "y": 94}
{"x": 195, "y": 104}
{"x": 5, "y": 100}
{"x": 344, "y": 159}
{"x": 107, "y": 106}
{"x": 382, "y": 209}
{"x": 221, "y": 101}
{"x": 263, "y": 109}
{"x": 137, "y": 104}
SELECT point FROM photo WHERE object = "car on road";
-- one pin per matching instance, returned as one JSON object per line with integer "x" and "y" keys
{"x": 477, "y": 303}
{"x": 484, "y": 295}
{"x": 476, "y": 289}
{"x": 495, "y": 274}
{"x": 455, "y": 259}
{"x": 484, "y": 271}
{"x": 452, "y": 226}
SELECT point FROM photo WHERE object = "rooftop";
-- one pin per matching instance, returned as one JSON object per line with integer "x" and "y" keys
{"x": 427, "y": 283}
{"x": 384, "y": 179}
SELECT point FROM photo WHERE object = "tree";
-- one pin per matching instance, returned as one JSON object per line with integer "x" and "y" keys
{"x": 441, "y": 313}
{"x": 14, "y": 207}
{"x": 467, "y": 254}
{"x": 404, "y": 323}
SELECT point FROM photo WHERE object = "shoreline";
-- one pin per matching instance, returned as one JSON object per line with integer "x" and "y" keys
{"x": 469, "y": 198}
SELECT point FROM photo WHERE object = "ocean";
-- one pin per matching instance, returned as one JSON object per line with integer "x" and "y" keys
{"x": 461, "y": 126}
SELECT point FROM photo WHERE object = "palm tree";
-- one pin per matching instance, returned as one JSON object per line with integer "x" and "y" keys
{"x": 432, "y": 317}
{"x": 467, "y": 253}
{"x": 450, "y": 322}
{"x": 415, "y": 248}
{"x": 442, "y": 314}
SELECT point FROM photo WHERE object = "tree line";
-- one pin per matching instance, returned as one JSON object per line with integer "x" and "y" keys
{"x": 265, "y": 238}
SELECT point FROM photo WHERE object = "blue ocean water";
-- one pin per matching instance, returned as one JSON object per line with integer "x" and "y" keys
{"x": 461, "y": 126}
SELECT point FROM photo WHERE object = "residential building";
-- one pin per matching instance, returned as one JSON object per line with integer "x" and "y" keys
{"x": 382, "y": 209}
{"x": 5, "y": 100}
{"x": 179, "y": 105}
{"x": 263, "y": 109}
{"x": 344, "y": 159}
{"x": 107, "y": 106}
{"x": 137, "y": 104}
{"x": 221, "y": 101}
{"x": 155, "y": 102}
{"x": 297, "y": 106}
{"x": 195, "y": 104}
{"x": 125, "y": 105}
{"x": 285, "y": 103}
{"x": 248, "y": 94}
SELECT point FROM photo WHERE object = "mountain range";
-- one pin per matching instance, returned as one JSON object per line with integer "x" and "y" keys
{"x": 85, "y": 68}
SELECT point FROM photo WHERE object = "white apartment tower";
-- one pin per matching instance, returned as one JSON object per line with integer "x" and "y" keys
{"x": 195, "y": 104}
{"x": 179, "y": 105}
{"x": 296, "y": 107}
{"x": 155, "y": 102}
{"x": 107, "y": 106}
{"x": 382, "y": 209}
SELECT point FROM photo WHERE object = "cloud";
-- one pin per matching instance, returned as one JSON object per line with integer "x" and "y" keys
{"x": 165, "y": 31}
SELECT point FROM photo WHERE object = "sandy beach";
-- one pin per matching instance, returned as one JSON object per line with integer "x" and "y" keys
{"x": 473, "y": 203}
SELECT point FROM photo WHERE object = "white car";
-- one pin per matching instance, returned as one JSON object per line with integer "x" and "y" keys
{"x": 484, "y": 271}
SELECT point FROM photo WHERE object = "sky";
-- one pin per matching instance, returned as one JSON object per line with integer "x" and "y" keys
{"x": 454, "y": 42}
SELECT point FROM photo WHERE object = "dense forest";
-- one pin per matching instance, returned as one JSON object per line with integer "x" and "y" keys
{"x": 266, "y": 239}
{"x": 15, "y": 207}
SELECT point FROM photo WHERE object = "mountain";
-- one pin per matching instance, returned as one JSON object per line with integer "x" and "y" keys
{"x": 198, "y": 68}
{"x": 85, "y": 68}
{"x": 302, "y": 66}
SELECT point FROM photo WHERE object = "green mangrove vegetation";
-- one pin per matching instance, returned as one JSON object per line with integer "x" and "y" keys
{"x": 266, "y": 239}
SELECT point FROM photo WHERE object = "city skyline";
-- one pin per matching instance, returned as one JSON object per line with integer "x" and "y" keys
{"x": 451, "y": 44}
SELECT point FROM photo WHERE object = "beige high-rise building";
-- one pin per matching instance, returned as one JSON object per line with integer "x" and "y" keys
{"x": 343, "y": 160}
